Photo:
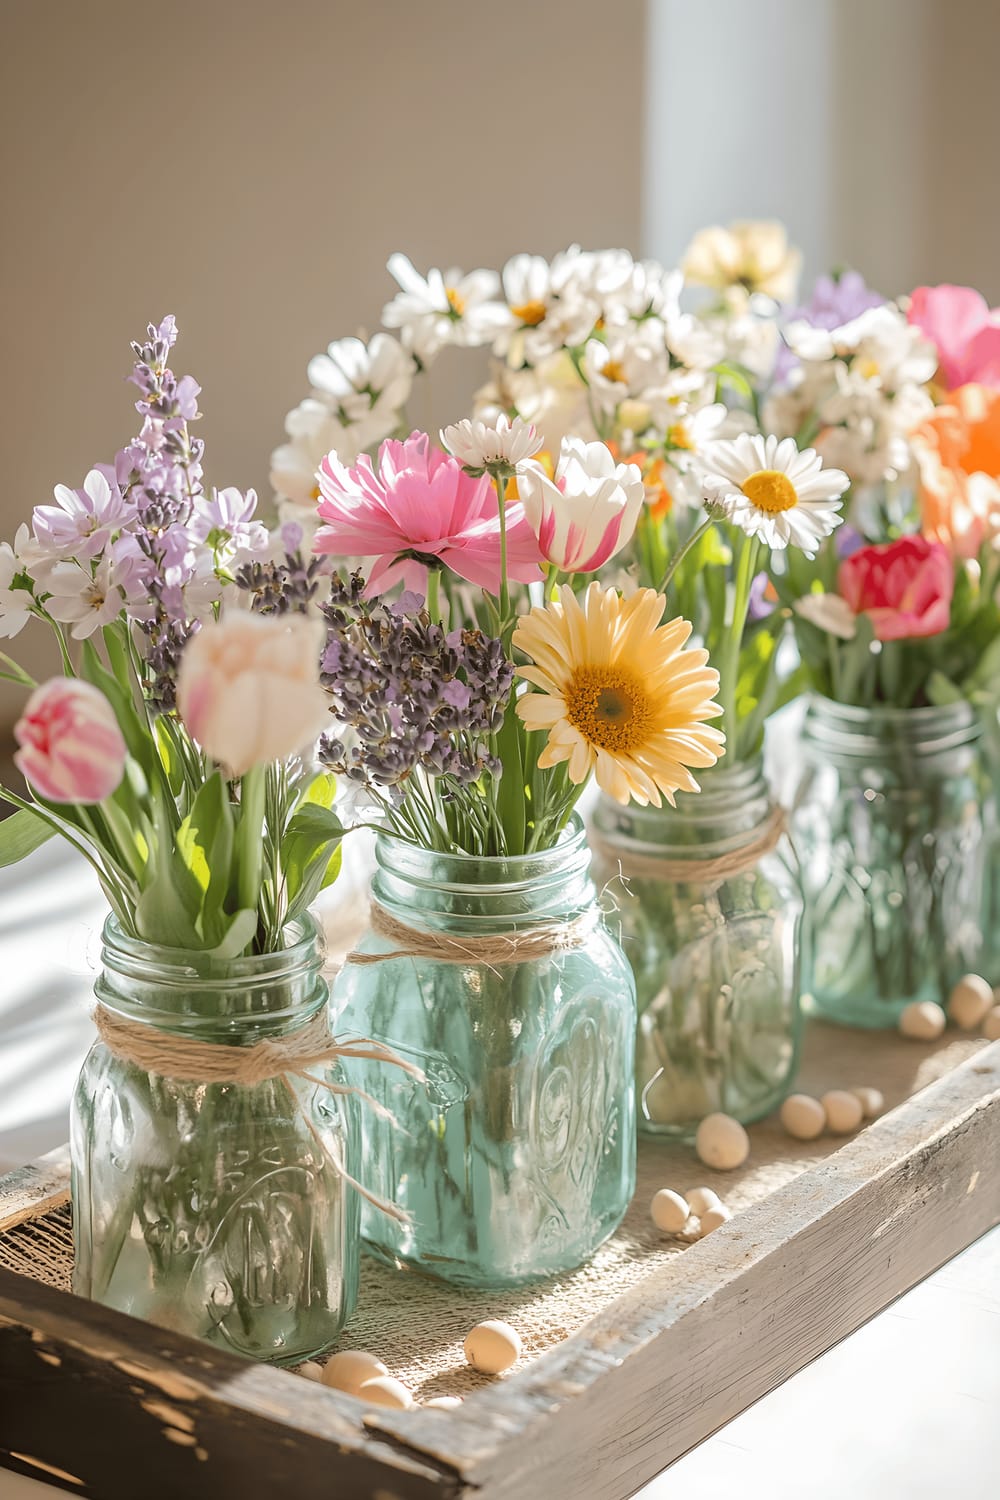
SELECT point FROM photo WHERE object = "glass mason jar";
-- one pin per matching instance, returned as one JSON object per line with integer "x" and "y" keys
{"x": 515, "y": 1158}
{"x": 715, "y": 953}
{"x": 216, "y": 1209}
{"x": 894, "y": 822}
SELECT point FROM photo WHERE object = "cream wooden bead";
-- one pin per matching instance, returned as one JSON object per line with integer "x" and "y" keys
{"x": 969, "y": 1001}
{"x": 310, "y": 1370}
{"x": 700, "y": 1200}
{"x": 444, "y": 1403}
{"x": 803, "y": 1117}
{"x": 385, "y": 1390}
{"x": 721, "y": 1142}
{"x": 669, "y": 1211}
{"x": 991, "y": 1025}
{"x": 349, "y": 1370}
{"x": 493, "y": 1347}
{"x": 843, "y": 1111}
{"x": 712, "y": 1218}
{"x": 922, "y": 1020}
{"x": 871, "y": 1100}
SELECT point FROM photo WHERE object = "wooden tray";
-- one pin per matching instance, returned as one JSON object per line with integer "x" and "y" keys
{"x": 630, "y": 1363}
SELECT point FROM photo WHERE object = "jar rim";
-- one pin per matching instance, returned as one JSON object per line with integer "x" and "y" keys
{"x": 855, "y": 729}
{"x": 160, "y": 961}
{"x": 409, "y": 861}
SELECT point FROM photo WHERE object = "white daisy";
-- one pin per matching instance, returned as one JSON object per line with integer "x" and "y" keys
{"x": 443, "y": 307}
{"x": 313, "y": 431}
{"x": 364, "y": 385}
{"x": 771, "y": 490}
{"x": 498, "y": 446}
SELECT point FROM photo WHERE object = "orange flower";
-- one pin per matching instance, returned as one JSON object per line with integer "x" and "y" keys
{"x": 548, "y": 463}
{"x": 958, "y": 453}
{"x": 654, "y": 477}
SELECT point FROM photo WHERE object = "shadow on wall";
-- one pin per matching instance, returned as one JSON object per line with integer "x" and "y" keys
{"x": 294, "y": 153}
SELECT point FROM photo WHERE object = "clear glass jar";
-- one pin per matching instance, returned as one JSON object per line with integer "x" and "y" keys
{"x": 215, "y": 1209}
{"x": 894, "y": 818}
{"x": 716, "y": 960}
{"x": 516, "y": 1158}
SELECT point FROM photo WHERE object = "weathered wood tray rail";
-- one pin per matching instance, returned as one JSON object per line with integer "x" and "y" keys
{"x": 109, "y": 1407}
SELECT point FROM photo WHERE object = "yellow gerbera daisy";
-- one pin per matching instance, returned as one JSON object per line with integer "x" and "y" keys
{"x": 620, "y": 694}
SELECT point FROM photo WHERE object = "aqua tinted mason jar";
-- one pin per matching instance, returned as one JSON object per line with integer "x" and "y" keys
{"x": 711, "y": 913}
{"x": 216, "y": 1209}
{"x": 515, "y": 1158}
{"x": 895, "y": 823}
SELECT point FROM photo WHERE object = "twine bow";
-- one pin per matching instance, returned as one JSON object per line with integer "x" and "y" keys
{"x": 637, "y": 865}
{"x": 492, "y": 950}
{"x": 290, "y": 1056}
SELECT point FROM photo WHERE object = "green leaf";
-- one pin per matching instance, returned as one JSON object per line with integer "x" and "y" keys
{"x": 133, "y": 726}
{"x": 320, "y": 792}
{"x": 237, "y": 937}
{"x": 205, "y": 842}
{"x": 21, "y": 834}
{"x": 308, "y": 851}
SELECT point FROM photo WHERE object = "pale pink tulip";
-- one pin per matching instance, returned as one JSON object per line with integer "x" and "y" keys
{"x": 958, "y": 320}
{"x": 588, "y": 512}
{"x": 248, "y": 689}
{"x": 72, "y": 749}
{"x": 420, "y": 504}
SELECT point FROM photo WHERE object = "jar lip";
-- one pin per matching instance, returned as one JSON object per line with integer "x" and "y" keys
{"x": 307, "y": 947}
{"x": 862, "y": 715}
{"x": 398, "y": 857}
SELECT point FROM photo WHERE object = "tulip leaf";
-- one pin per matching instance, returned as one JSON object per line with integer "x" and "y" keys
{"x": 310, "y": 854}
{"x": 21, "y": 834}
{"x": 205, "y": 844}
{"x": 237, "y": 936}
{"x": 133, "y": 727}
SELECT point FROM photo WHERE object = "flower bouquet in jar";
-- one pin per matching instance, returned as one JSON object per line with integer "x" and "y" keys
{"x": 898, "y": 628}
{"x": 480, "y": 675}
{"x": 213, "y": 1137}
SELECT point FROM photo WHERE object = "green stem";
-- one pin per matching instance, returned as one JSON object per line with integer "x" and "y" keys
{"x": 504, "y": 581}
{"x": 682, "y": 552}
{"x": 433, "y": 601}
{"x": 729, "y": 666}
{"x": 250, "y": 837}
{"x": 20, "y": 675}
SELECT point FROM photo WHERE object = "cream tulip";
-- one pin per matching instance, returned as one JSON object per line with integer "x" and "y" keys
{"x": 248, "y": 689}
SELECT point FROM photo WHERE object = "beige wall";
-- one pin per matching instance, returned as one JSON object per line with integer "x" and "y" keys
{"x": 288, "y": 147}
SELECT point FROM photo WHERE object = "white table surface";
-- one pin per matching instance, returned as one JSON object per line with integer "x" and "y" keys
{"x": 907, "y": 1408}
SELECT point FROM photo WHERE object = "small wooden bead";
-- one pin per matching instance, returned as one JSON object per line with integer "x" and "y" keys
{"x": 871, "y": 1101}
{"x": 969, "y": 1001}
{"x": 310, "y": 1370}
{"x": 385, "y": 1390}
{"x": 991, "y": 1025}
{"x": 349, "y": 1370}
{"x": 843, "y": 1111}
{"x": 712, "y": 1218}
{"x": 700, "y": 1200}
{"x": 444, "y": 1403}
{"x": 803, "y": 1117}
{"x": 922, "y": 1020}
{"x": 493, "y": 1347}
{"x": 669, "y": 1211}
{"x": 721, "y": 1142}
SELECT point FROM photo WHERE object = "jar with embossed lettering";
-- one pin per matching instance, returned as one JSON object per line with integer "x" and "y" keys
{"x": 514, "y": 1158}
{"x": 219, "y": 1210}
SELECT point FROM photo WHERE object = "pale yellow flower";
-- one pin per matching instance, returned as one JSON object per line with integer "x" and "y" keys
{"x": 753, "y": 254}
{"x": 621, "y": 696}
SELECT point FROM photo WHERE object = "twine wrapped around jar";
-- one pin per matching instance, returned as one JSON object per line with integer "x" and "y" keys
{"x": 492, "y": 950}
{"x": 691, "y": 870}
{"x": 290, "y": 1056}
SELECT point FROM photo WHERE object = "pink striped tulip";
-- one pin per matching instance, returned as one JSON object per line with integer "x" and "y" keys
{"x": 72, "y": 749}
{"x": 588, "y": 512}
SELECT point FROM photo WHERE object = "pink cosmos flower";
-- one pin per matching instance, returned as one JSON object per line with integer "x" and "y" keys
{"x": 420, "y": 504}
{"x": 72, "y": 749}
{"x": 966, "y": 332}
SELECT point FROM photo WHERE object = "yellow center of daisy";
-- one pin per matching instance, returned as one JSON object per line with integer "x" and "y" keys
{"x": 612, "y": 370}
{"x": 609, "y": 707}
{"x": 530, "y": 313}
{"x": 455, "y": 300}
{"x": 678, "y": 436}
{"x": 770, "y": 490}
